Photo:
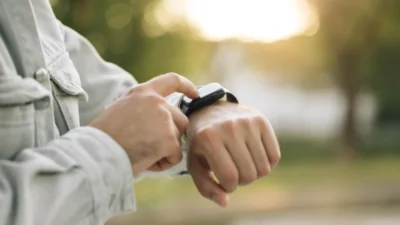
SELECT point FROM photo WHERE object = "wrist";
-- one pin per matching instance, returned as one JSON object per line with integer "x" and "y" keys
{"x": 208, "y": 115}
{"x": 220, "y": 103}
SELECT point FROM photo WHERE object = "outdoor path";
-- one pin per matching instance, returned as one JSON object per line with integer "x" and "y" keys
{"x": 350, "y": 216}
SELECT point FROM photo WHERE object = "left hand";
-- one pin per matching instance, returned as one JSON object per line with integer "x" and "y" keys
{"x": 235, "y": 143}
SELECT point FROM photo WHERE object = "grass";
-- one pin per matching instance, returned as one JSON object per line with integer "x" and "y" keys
{"x": 288, "y": 175}
{"x": 308, "y": 176}
{"x": 176, "y": 201}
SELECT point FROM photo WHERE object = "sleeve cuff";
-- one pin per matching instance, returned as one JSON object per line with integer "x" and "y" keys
{"x": 108, "y": 168}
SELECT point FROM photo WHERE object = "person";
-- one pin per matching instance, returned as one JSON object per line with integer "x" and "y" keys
{"x": 76, "y": 131}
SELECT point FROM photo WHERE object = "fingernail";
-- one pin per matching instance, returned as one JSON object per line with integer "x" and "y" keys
{"x": 226, "y": 200}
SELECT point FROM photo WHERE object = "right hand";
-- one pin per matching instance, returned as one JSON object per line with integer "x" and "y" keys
{"x": 145, "y": 125}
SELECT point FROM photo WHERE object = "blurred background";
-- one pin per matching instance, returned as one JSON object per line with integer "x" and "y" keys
{"x": 325, "y": 72}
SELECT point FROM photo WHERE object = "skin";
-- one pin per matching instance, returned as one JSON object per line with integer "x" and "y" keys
{"x": 131, "y": 121}
{"x": 234, "y": 143}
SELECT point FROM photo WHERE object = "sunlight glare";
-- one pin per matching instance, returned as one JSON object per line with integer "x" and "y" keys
{"x": 249, "y": 20}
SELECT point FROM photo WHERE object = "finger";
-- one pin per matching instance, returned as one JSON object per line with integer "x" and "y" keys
{"x": 241, "y": 156}
{"x": 157, "y": 167}
{"x": 204, "y": 182}
{"x": 173, "y": 154}
{"x": 172, "y": 160}
{"x": 221, "y": 164}
{"x": 270, "y": 143}
{"x": 172, "y": 82}
{"x": 166, "y": 163}
{"x": 175, "y": 151}
{"x": 180, "y": 120}
{"x": 258, "y": 154}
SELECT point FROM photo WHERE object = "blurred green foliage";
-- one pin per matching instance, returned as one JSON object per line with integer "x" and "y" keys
{"x": 121, "y": 30}
{"x": 385, "y": 81}
{"x": 357, "y": 46}
{"x": 366, "y": 33}
{"x": 362, "y": 38}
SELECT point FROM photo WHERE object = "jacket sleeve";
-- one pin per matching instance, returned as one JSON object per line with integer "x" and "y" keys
{"x": 84, "y": 177}
{"x": 104, "y": 82}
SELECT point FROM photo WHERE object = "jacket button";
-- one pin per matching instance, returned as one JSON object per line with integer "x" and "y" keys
{"x": 41, "y": 75}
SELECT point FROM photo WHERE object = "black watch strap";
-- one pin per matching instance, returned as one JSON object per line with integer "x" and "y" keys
{"x": 230, "y": 97}
{"x": 188, "y": 106}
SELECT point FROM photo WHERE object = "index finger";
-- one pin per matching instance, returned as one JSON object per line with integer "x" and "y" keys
{"x": 222, "y": 165}
{"x": 180, "y": 120}
{"x": 172, "y": 82}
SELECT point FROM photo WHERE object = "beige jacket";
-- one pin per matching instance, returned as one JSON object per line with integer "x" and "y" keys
{"x": 54, "y": 170}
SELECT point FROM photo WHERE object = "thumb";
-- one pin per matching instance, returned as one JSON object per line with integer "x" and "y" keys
{"x": 205, "y": 184}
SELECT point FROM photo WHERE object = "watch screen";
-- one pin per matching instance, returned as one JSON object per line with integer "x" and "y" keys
{"x": 205, "y": 90}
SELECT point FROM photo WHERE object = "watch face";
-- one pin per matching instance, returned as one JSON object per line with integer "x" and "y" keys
{"x": 205, "y": 91}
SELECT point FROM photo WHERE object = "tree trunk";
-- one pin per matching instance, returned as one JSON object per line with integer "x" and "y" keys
{"x": 349, "y": 82}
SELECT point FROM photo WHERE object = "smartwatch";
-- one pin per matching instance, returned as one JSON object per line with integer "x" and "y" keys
{"x": 209, "y": 94}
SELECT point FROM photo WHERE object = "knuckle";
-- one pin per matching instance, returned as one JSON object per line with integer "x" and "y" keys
{"x": 170, "y": 134}
{"x": 229, "y": 126}
{"x": 247, "y": 178}
{"x": 174, "y": 76}
{"x": 265, "y": 124}
{"x": 275, "y": 158}
{"x": 179, "y": 155}
{"x": 206, "y": 139}
{"x": 260, "y": 119}
{"x": 177, "y": 145}
{"x": 154, "y": 98}
{"x": 138, "y": 89}
{"x": 263, "y": 170}
{"x": 245, "y": 122}
{"x": 205, "y": 134}
{"x": 185, "y": 122}
{"x": 171, "y": 147}
{"x": 231, "y": 181}
{"x": 163, "y": 113}
{"x": 177, "y": 158}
